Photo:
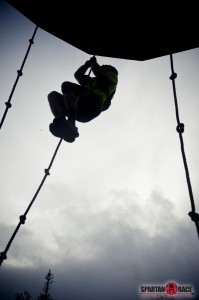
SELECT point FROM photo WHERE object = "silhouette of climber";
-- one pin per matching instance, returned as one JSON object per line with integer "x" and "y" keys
{"x": 82, "y": 101}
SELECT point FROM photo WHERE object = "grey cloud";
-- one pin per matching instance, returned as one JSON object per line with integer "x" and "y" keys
{"x": 122, "y": 255}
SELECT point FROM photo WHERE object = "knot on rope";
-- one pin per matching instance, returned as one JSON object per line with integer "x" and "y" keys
{"x": 173, "y": 76}
{"x": 31, "y": 41}
{"x": 194, "y": 216}
{"x": 19, "y": 72}
{"x": 180, "y": 128}
{"x": 8, "y": 104}
{"x": 22, "y": 219}
{"x": 3, "y": 256}
{"x": 47, "y": 172}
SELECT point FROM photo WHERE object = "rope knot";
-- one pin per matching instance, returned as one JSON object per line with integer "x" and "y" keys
{"x": 47, "y": 172}
{"x": 194, "y": 216}
{"x": 180, "y": 128}
{"x": 8, "y": 104}
{"x": 3, "y": 256}
{"x": 19, "y": 72}
{"x": 31, "y": 41}
{"x": 22, "y": 219}
{"x": 173, "y": 76}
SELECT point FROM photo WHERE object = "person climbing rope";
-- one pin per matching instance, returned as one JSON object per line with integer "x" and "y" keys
{"x": 82, "y": 101}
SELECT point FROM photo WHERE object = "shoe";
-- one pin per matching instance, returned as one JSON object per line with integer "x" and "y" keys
{"x": 62, "y": 128}
{"x": 70, "y": 133}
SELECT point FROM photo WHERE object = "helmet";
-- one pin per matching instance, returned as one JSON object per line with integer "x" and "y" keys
{"x": 110, "y": 68}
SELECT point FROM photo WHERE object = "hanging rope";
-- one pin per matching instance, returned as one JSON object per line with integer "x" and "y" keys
{"x": 22, "y": 218}
{"x": 8, "y": 103}
{"x": 180, "y": 129}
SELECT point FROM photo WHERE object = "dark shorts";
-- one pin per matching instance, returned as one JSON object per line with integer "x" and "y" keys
{"x": 88, "y": 107}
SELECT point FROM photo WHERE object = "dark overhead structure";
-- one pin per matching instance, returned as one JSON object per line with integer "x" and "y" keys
{"x": 135, "y": 31}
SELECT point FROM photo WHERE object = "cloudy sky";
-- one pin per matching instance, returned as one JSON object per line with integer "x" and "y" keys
{"x": 113, "y": 214}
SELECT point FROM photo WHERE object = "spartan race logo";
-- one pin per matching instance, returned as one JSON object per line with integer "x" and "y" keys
{"x": 165, "y": 291}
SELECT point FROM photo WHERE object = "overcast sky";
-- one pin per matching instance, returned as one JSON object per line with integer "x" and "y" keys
{"x": 113, "y": 214}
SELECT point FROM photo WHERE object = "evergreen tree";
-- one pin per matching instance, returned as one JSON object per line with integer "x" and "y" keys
{"x": 25, "y": 296}
{"x": 47, "y": 286}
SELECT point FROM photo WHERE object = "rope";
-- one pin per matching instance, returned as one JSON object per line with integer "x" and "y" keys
{"x": 8, "y": 103}
{"x": 22, "y": 218}
{"x": 180, "y": 129}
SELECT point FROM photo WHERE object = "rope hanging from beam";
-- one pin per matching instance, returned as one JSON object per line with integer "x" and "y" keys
{"x": 180, "y": 129}
{"x": 8, "y": 103}
{"x": 22, "y": 218}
